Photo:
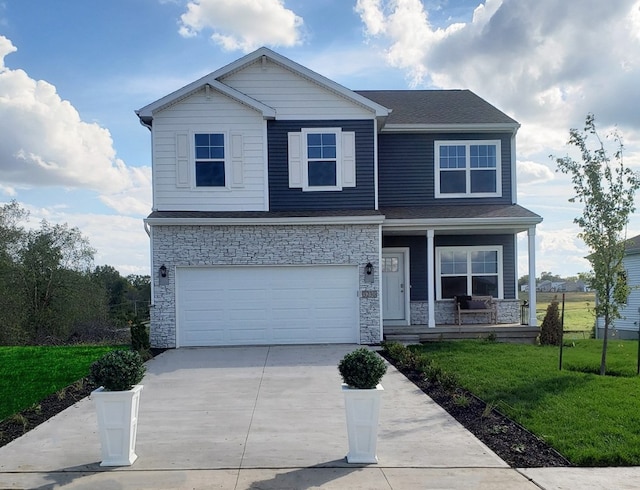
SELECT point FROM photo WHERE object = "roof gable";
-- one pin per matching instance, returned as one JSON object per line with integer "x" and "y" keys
{"x": 213, "y": 79}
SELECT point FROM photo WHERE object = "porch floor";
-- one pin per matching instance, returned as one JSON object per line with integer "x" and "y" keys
{"x": 504, "y": 332}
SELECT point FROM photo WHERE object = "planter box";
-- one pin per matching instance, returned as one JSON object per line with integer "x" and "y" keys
{"x": 363, "y": 409}
{"x": 118, "y": 424}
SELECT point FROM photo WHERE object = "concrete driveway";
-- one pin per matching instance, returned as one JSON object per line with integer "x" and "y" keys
{"x": 267, "y": 418}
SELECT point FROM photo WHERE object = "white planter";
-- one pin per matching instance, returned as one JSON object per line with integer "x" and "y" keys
{"x": 118, "y": 424}
{"x": 363, "y": 409}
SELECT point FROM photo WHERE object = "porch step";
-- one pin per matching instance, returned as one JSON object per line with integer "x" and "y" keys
{"x": 503, "y": 333}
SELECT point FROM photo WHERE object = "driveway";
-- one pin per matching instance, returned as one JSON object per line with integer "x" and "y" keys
{"x": 258, "y": 417}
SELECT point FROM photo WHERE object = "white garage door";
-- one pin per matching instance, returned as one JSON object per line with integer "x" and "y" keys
{"x": 267, "y": 305}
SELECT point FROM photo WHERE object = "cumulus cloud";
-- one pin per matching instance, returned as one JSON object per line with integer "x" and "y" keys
{"x": 243, "y": 24}
{"x": 533, "y": 173}
{"x": 46, "y": 143}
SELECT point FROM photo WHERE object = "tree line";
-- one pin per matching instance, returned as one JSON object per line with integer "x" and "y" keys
{"x": 50, "y": 291}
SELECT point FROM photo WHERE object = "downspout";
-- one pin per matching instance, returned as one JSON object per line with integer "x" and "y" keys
{"x": 148, "y": 230}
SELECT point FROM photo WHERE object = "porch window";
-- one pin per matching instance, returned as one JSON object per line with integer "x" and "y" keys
{"x": 469, "y": 271}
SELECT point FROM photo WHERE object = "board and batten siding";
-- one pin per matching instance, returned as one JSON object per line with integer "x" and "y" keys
{"x": 173, "y": 179}
{"x": 284, "y": 198}
{"x": 292, "y": 96}
{"x": 406, "y": 169}
{"x": 418, "y": 258}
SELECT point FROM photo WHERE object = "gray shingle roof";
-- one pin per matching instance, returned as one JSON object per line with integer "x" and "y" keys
{"x": 436, "y": 107}
{"x": 459, "y": 212}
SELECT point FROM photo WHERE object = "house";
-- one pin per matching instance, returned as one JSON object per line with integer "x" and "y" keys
{"x": 628, "y": 327}
{"x": 290, "y": 209}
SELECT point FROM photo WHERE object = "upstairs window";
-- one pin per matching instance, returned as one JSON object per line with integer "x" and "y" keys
{"x": 469, "y": 271}
{"x": 209, "y": 155}
{"x": 321, "y": 159}
{"x": 467, "y": 169}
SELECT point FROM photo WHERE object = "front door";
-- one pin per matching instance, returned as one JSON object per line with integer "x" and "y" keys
{"x": 393, "y": 287}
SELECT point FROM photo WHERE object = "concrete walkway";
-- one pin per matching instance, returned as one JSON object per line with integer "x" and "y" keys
{"x": 273, "y": 418}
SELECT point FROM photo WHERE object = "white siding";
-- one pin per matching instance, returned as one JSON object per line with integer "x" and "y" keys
{"x": 175, "y": 191}
{"x": 630, "y": 314}
{"x": 293, "y": 97}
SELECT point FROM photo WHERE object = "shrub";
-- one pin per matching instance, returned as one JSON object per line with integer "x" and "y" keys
{"x": 118, "y": 370}
{"x": 362, "y": 369}
{"x": 140, "y": 338}
{"x": 551, "y": 328}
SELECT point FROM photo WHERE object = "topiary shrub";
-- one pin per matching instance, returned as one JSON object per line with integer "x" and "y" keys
{"x": 362, "y": 369}
{"x": 118, "y": 370}
{"x": 551, "y": 328}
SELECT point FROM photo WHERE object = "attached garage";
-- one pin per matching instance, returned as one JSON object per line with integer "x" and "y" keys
{"x": 253, "y": 305}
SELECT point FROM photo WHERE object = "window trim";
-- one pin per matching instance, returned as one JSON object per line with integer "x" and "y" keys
{"x": 467, "y": 143}
{"x": 305, "y": 159}
{"x": 225, "y": 161}
{"x": 469, "y": 274}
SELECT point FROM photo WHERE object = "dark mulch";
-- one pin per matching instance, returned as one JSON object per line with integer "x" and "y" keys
{"x": 513, "y": 443}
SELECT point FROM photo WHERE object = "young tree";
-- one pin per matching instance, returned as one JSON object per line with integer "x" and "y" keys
{"x": 606, "y": 189}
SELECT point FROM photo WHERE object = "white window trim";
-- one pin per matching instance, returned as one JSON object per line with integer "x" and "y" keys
{"x": 227, "y": 165}
{"x": 468, "y": 170}
{"x": 468, "y": 250}
{"x": 305, "y": 160}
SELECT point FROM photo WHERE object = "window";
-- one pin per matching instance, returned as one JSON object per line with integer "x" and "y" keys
{"x": 467, "y": 168}
{"x": 210, "y": 160}
{"x": 468, "y": 271}
{"x": 322, "y": 159}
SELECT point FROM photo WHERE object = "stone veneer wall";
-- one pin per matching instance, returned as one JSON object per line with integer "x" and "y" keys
{"x": 508, "y": 312}
{"x": 263, "y": 245}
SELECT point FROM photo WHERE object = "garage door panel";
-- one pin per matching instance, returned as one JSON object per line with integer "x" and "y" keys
{"x": 262, "y": 305}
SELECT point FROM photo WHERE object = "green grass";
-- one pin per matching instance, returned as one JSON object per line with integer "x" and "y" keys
{"x": 28, "y": 374}
{"x": 592, "y": 420}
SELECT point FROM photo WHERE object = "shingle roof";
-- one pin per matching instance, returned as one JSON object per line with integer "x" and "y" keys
{"x": 436, "y": 107}
{"x": 482, "y": 211}
{"x": 262, "y": 214}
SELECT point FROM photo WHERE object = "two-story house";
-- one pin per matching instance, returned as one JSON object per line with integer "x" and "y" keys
{"x": 290, "y": 209}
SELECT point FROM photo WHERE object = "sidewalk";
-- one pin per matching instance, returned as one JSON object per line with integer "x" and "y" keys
{"x": 273, "y": 418}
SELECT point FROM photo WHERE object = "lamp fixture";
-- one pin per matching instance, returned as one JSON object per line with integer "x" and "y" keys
{"x": 368, "y": 268}
{"x": 163, "y": 270}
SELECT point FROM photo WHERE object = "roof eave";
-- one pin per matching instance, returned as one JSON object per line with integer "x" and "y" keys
{"x": 296, "y": 220}
{"x": 452, "y": 128}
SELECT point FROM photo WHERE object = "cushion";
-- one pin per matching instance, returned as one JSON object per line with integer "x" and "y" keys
{"x": 477, "y": 305}
{"x": 463, "y": 301}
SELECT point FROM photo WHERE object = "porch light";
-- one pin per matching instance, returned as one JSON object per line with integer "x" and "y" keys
{"x": 163, "y": 270}
{"x": 368, "y": 268}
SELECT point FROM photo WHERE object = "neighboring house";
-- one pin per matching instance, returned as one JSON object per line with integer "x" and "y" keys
{"x": 544, "y": 286}
{"x": 628, "y": 326}
{"x": 289, "y": 209}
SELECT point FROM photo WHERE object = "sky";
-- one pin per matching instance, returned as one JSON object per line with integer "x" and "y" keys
{"x": 73, "y": 72}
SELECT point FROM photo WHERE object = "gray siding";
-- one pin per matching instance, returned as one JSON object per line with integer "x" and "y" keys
{"x": 282, "y": 198}
{"x": 418, "y": 258}
{"x": 406, "y": 169}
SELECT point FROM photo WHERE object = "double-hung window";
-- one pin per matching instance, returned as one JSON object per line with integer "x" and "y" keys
{"x": 469, "y": 271}
{"x": 467, "y": 169}
{"x": 321, "y": 159}
{"x": 210, "y": 160}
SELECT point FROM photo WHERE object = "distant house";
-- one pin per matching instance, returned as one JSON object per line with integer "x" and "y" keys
{"x": 544, "y": 286}
{"x": 628, "y": 326}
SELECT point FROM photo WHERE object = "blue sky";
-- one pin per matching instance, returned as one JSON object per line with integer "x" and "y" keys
{"x": 73, "y": 72}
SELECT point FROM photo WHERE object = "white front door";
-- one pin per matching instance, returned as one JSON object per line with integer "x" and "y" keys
{"x": 393, "y": 286}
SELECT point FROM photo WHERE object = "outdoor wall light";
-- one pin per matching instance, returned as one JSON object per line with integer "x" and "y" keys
{"x": 368, "y": 268}
{"x": 163, "y": 270}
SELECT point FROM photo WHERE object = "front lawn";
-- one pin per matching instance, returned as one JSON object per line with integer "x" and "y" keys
{"x": 592, "y": 420}
{"x": 28, "y": 374}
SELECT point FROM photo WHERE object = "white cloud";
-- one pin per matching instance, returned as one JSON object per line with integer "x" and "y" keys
{"x": 532, "y": 172}
{"x": 243, "y": 24}
{"x": 46, "y": 143}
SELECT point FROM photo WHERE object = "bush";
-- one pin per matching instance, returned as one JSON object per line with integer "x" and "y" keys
{"x": 551, "y": 328}
{"x": 362, "y": 369}
{"x": 118, "y": 370}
